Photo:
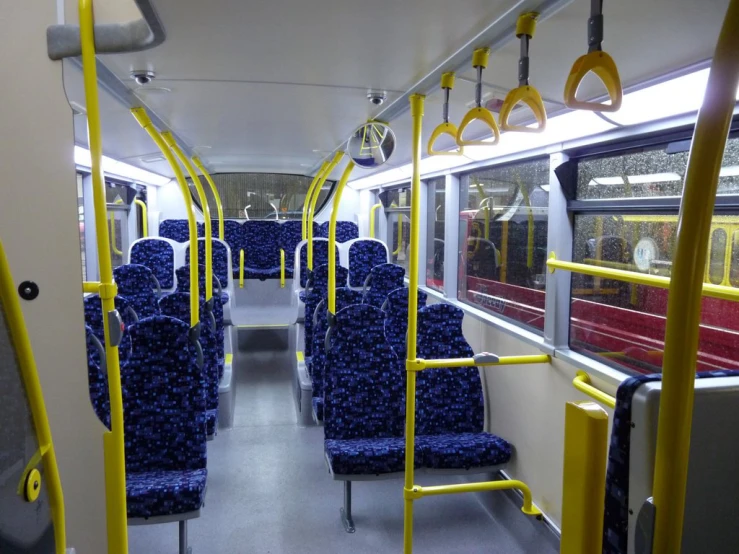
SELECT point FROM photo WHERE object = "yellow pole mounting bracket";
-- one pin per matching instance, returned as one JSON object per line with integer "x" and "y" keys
{"x": 600, "y": 63}
{"x": 445, "y": 127}
{"x": 478, "y": 113}
{"x": 524, "y": 93}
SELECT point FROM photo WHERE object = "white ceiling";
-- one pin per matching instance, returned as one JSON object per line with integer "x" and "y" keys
{"x": 275, "y": 86}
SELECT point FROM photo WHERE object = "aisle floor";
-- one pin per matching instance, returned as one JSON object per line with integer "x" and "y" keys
{"x": 269, "y": 491}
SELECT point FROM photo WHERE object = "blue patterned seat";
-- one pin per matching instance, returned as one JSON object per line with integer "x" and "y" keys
{"x": 183, "y": 285}
{"x": 175, "y": 229}
{"x": 396, "y": 320}
{"x": 320, "y": 257}
{"x": 233, "y": 235}
{"x": 97, "y": 377}
{"x": 177, "y": 305}
{"x": 344, "y": 297}
{"x": 137, "y": 283}
{"x": 262, "y": 251}
{"x": 94, "y": 320}
{"x": 317, "y": 290}
{"x": 364, "y": 254}
{"x": 345, "y": 231}
{"x": 158, "y": 255}
{"x": 364, "y": 396}
{"x": 220, "y": 259}
{"x": 291, "y": 234}
{"x": 450, "y": 409}
{"x": 616, "y": 518}
{"x": 382, "y": 280}
{"x": 164, "y": 420}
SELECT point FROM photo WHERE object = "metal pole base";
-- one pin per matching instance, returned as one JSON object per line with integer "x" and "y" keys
{"x": 184, "y": 549}
{"x": 346, "y": 511}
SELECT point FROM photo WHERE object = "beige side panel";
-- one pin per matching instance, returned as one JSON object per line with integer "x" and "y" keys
{"x": 39, "y": 228}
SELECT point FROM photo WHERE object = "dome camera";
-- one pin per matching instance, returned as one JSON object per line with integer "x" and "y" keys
{"x": 143, "y": 77}
{"x": 376, "y": 98}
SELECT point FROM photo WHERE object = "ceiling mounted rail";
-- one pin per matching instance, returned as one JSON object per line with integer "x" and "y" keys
{"x": 497, "y": 34}
{"x": 112, "y": 38}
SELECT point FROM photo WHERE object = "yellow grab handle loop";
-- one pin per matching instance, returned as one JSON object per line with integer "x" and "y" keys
{"x": 529, "y": 96}
{"x": 605, "y": 68}
{"x": 444, "y": 129}
{"x": 478, "y": 114}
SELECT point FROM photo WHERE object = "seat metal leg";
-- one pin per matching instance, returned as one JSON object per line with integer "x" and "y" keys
{"x": 346, "y": 511}
{"x": 184, "y": 549}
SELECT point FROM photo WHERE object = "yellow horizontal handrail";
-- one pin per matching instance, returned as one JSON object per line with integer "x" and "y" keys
{"x": 714, "y": 291}
{"x": 373, "y": 209}
{"x": 144, "y": 216}
{"x": 241, "y": 268}
{"x": 91, "y": 286}
{"x": 582, "y": 383}
{"x": 528, "y": 505}
{"x": 420, "y": 364}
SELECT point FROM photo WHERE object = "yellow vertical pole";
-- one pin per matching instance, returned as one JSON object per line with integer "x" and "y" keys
{"x": 241, "y": 268}
{"x": 216, "y": 196}
{"x": 282, "y": 268}
{"x": 684, "y": 301}
{"x": 309, "y": 196}
{"x": 372, "y": 219}
{"x": 584, "y": 478}
{"x": 332, "y": 237}
{"x": 504, "y": 253}
{"x": 144, "y": 216}
{"x": 169, "y": 139}
{"x": 417, "y": 101}
{"x": 312, "y": 206}
{"x": 396, "y": 252}
{"x": 143, "y": 119}
{"x": 113, "y": 442}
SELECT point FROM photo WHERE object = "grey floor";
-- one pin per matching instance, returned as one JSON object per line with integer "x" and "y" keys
{"x": 269, "y": 491}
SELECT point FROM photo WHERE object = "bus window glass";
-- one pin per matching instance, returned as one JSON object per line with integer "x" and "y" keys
{"x": 261, "y": 195}
{"x": 435, "y": 241}
{"x": 623, "y": 324}
{"x": 717, "y": 256}
{"x": 503, "y": 240}
{"x": 649, "y": 172}
{"x": 734, "y": 270}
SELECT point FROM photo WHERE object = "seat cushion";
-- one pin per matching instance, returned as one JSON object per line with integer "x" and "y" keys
{"x": 462, "y": 451}
{"x": 366, "y": 456}
{"x": 160, "y": 493}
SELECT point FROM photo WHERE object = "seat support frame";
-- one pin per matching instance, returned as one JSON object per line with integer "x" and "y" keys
{"x": 346, "y": 511}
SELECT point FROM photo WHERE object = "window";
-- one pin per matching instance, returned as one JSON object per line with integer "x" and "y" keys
{"x": 654, "y": 171}
{"x": 621, "y": 323}
{"x": 435, "y": 243}
{"x": 503, "y": 240}
{"x": 397, "y": 204}
{"x": 261, "y": 195}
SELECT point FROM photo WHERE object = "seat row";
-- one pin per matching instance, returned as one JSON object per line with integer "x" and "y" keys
{"x": 262, "y": 242}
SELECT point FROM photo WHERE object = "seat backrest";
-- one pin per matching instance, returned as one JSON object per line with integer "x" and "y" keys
{"x": 183, "y": 285}
{"x": 320, "y": 257}
{"x": 395, "y": 309}
{"x": 447, "y": 400}
{"x": 220, "y": 259}
{"x": 233, "y": 234}
{"x": 318, "y": 289}
{"x": 158, "y": 255}
{"x": 344, "y": 297}
{"x": 363, "y": 255}
{"x": 363, "y": 390}
{"x": 164, "y": 398}
{"x": 97, "y": 377}
{"x": 137, "y": 283}
{"x": 177, "y": 230}
{"x": 382, "y": 280}
{"x": 291, "y": 234}
{"x": 177, "y": 305}
{"x": 262, "y": 244}
{"x": 345, "y": 230}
